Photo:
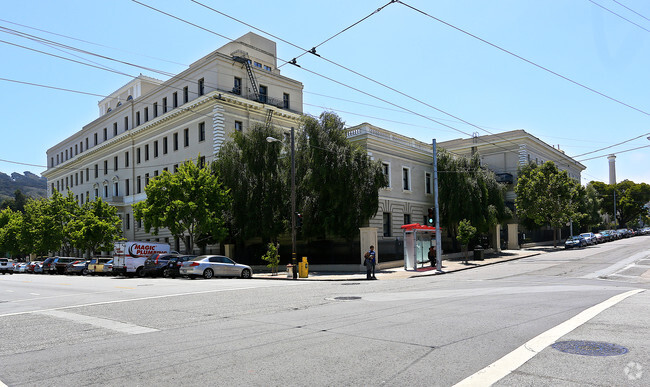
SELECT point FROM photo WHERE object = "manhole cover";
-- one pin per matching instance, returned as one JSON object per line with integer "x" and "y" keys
{"x": 590, "y": 348}
{"x": 347, "y": 298}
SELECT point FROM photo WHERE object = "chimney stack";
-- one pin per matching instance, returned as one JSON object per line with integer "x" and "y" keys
{"x": 612, "y": 169}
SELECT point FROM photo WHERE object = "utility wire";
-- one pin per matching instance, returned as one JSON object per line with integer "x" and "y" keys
{"x": 526, "y": 60}
{"x": 611, "y": 146}
{"x": 623, "y": 151}
{"x": 622, "y": 17}
{"x": 630, "y": 9}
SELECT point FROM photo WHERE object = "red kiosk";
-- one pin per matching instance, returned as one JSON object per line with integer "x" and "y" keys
{"x": 417, "y": 240}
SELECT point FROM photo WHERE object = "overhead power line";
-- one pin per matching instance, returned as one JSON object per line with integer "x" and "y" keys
{"x": 630, "y": 9}
{"x": 620, "y": 16}
{"x": 527, "y": 60}
{"x": 611, "y": 146}
{"x": 623, "y": 151}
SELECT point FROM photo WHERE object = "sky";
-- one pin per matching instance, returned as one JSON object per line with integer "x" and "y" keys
{"x": 574, "y": 73}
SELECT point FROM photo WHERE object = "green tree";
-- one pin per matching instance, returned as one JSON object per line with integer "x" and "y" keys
{"x": 97, "y": 227}
{"x": 547, "y": 196}
{"x": 630, "y": 200}
{"x": 189, "y": 202}
{"x": 256, "y": 172}
{"x": 17, "y": 203}
{"x": 272, "y": 257}
{"x": 465, "y": 234}
{"x": 469, "y": 191}
{"x": 589, "y": 204}
{"x": 10, "y": 231}
{"x": 46, "y": 224}
{"x": 337, "y": 183}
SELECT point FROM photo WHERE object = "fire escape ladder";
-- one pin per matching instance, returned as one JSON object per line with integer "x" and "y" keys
{"x": 241, "y": 57}
{"x": 269, "y": 117}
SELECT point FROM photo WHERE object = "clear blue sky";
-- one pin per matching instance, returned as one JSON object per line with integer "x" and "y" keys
{"x": 397, "y": 46}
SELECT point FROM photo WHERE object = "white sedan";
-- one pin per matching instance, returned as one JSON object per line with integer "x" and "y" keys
{"x": 209, "y": 266}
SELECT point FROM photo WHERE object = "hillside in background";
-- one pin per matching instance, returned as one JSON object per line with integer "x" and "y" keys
{"x": 31, "y": 185}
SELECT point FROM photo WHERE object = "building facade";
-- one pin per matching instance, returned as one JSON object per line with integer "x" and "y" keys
{"x": 149, "y": 126}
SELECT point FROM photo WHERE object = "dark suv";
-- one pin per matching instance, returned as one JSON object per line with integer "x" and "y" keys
{"x": 57, "y": 265}
{"x": 165, "y": 265}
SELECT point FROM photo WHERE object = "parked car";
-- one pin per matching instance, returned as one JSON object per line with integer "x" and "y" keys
{"x": 96, "y": 265}
{"x": 38, "y": 268}
{"x": 61, "y": 263}
{"x": 6, "y": 266}
{"x": 599, "y": 237}
{"x": 589, "y": 238}
{"x": 32, "y": 266}
{"x": 108, "y": 268}
{"x": 79, "y": 267}
{"x": 575, "y": 241}
{"x": 166, "y": 265}
{"x": 211, "y": 265}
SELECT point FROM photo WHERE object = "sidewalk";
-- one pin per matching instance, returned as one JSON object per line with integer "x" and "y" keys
{"x": 448, "y": 266}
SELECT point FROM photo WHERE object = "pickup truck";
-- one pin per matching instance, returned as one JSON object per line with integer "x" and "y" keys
{"x": 6, "y": 266}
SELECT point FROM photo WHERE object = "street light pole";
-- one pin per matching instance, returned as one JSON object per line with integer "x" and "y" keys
{"x": 294, "y": 259}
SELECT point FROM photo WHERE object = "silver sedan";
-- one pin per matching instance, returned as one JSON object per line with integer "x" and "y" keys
{"x": 209, "y": 266}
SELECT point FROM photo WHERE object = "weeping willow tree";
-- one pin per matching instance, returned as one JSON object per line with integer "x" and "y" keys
{"x": 337, "y": 182}
{"x": 468, "y": 191}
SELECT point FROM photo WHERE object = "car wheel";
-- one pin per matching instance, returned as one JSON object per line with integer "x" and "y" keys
{"x": 139, "y": 272}
{"x": 84, "y": 272}
{"x": 167, "y": 273}
{"x": 246, "y": 273}
{"x": 208, "y": 273}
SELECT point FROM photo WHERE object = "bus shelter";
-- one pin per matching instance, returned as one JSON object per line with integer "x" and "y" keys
{"x": 417, "y": 240}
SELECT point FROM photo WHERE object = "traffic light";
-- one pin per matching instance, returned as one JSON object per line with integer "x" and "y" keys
{"x": 298, "y": 220}
{"x": 430, "y": 217}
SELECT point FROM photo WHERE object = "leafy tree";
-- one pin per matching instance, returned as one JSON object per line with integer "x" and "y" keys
{"x": 547, "y": 196}
{"x": 589, "y": 204}
{"x": 257, "y": 174}
{"x": 272, "y": 257}
{"x": 10, "y": 231}
{"x": 46, "y": 224}
{"x": 469, "y": 191}
{"x": 630, "y": 200}
{"x": 17, "y": 203}
{"x": 465, "y": 233}
{"x": 97, "y": 227}
{"x": 337, "y": 183}
{"x": 189, "y": 202}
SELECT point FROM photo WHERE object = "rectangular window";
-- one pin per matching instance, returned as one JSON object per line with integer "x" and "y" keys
{"x": 285, "y": 100}
{"x": 155, "y": 173}
{"x": 175, "y": 141}
{"x": 186, "y": 137}
{"x": 264, "y": 94}
{"x": 81, "y": 146}
{"x": 186, "y": 94}
{"x": 146, "y": 179}
{"x": 87, "y": 175}
{"x": 201, "y": 162}
{"x": 96, "y": 193}
{"x": 155, "y": 109}
{"x": 385, "y": 167}
{"x": 427, "y": 183}
{"x": 155, "y": 149}
{"x": 138, "y": 185}
{"x": 87, "y": 196}
{"x": 238, "y": 126}
{"x": 175, "y": 168}
{"x": 126, "y": 159}
{"x": 201, "y": 131}
{"x": 106, "y": 191}
{"x": 116, "y": 189}
{"x": 114, "y": 129}
{"x": 81, "y": 177}
{"x": 175, "y": 100}
{"x": 105, "y": 167}
{"x": 258, "y": 64}
{"x": 164, "y": 105}
{"x": 267, "y": 68}
{"x": 76, "y": 179}
{"x": 137, "y": 156}
{"x": 146, "y": 114}
{"x": 96, "y": 171}
{"x": 386, "y": 224}
{"x": 164, "y": 145}
{"x": 237, "y": 86}
{"x": 146, "y": 152}
{"x": 86, "y": 142}
{"x": 137, "y": 118}
{"x": 407, "y": 218}
{"x": 95, "y": 138}
{"x": 201, "y": 86}
{"x": 127, "y": 189}
{"x": 126, "y": 123}
{"x": 105, "y": 134}
{"x": 128, "y": 221}
{"x": 115, "y": 163}
{"x": 406, "y": 179}
{"x": 76, "y": 150}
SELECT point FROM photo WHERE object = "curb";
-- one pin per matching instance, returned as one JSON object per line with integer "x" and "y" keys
{"x": 475, "y": 267}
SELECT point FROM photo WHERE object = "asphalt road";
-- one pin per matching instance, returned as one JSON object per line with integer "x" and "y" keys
{"x": 439, "y": 330}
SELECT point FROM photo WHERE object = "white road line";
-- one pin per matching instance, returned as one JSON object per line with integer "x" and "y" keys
{"x": 515, "y": 359}
{"x": 617, "y": 266}
{"x": 131, "y": 329}
{"x": 145, "y": 298}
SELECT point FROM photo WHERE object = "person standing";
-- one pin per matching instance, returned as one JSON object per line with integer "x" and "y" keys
{"x": 432, "y": 256}
{"x": 370, "y": 262}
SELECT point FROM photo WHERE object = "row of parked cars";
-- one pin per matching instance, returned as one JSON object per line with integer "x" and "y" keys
{"x": 156, "y": 265}
{"x": 590, "y": 238}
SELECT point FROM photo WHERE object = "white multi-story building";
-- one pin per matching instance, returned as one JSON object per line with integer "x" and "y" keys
{"x": 148, "y": 126}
